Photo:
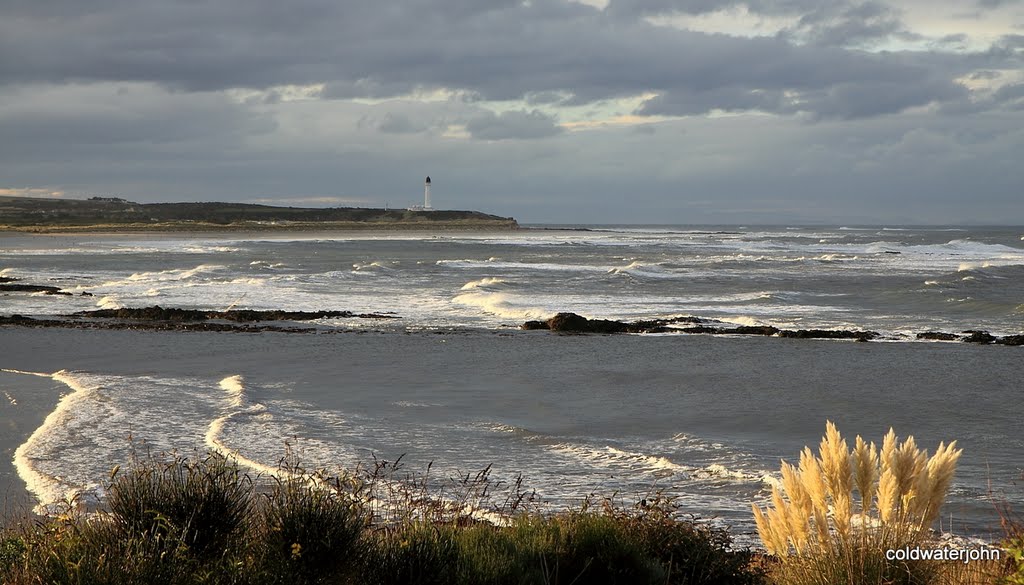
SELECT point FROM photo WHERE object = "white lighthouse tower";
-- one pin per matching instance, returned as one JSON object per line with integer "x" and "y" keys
{"x": 426, "y": 195}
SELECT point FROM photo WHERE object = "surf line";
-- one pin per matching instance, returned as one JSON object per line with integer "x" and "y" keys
{"x": 235, "y": 388}
{"x": 49, "y": 491}
{"x": 39, "y": 374}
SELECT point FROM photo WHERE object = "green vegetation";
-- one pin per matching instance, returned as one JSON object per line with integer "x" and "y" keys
{"x": 204, "y": 521}
{"x": 56, "y": 215}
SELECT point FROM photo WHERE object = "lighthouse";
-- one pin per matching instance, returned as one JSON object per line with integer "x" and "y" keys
{"x": 426, "y": 195}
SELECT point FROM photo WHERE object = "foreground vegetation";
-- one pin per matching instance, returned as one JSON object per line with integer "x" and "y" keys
{"x": 203, "y": 520}
{"x": 837, "y": 516}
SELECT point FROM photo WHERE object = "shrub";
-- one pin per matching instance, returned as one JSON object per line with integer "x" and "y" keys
{"x": 201, "y": 504}
{"x": 415, "y": 553}
{"x": 812, "y": 527}
{"x": 310, "y": 531}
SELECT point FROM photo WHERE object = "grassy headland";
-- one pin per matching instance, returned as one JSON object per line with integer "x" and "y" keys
{"x": 25, "y": 214}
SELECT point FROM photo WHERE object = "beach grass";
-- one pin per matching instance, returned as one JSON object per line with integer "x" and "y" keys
{"x": 203, "y": 520}
{"x": 853, "y": 516}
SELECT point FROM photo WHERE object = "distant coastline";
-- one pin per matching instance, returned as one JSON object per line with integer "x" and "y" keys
{"x": 111, "y": 215}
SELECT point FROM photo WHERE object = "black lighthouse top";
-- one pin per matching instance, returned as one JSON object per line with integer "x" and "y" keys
{"x": 428, "y": 180}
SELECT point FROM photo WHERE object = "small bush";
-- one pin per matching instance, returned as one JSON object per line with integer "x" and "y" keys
{"x": 201, "y": 504}
{"x": 417, "y": 553}
{"x": 310, "y": 531}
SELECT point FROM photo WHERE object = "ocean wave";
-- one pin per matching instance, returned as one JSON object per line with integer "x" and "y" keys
{"x": 99, "y": 424}
{"x": 501, "y": 304}
{"x": 234, "y": 387}
{"x": 530, "y": 266}
{"x": 483, "y": 283}
{"x": 375, "y": 266}
{"x": 644, "y": 270}
{"x": 614, "y": 458}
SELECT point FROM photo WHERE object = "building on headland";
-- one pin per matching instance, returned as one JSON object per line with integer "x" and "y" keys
{"x": 426, "y": 198}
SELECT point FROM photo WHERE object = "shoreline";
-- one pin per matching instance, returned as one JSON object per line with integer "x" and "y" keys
{"x": 261, "y": 228}
{"x": 157, "y": 318}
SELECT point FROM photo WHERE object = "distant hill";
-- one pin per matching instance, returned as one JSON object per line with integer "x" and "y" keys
{"x": 109, "y": 213}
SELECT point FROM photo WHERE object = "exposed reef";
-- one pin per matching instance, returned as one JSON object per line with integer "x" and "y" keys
{"x": 158, "y": 318}
{"x": 573, "y": 323}
{"x": 158, "y": 313}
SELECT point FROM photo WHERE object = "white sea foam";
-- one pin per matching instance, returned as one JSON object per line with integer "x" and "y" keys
{"x": 110, "y": 302}
{"x": 71, "y": 453}
{"x": 501, "y": 304}
{"x": 234, "y": 386}
{"x": 48, "y": 489}
{"x": 483, "y": 282}
{"x": 615, "y": 458}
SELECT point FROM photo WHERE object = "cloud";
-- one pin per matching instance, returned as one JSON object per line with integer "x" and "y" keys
{"x": 545, "y": 52}
{"x": 518, "y": 124}
{"x": 329, "y": 101}
{"x": 31, "y": 192}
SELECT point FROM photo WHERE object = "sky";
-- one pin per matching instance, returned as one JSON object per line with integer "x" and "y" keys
{"x": 549, "y": 111}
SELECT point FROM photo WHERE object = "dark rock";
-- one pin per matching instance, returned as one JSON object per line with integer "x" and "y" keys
{"x": 568, "y": 322}
{"x": 700, "y": 329}
{"x": 979, "y": 337}
{"x": 250, "y": 316}
{"x": 535, "y": 325}
{"x": 154, "y": 313}
{"x": 52, "y": 290}
{"x": 86, "y": 294}
{"x": 753, "y": 330}
{"x": 571, "y": 322}
{"x": 829, "y": 334}
{"x": 1011, "y": 340}
{"x": 938, "y": 336}
{"x": 7, "y": 279}
{"x": 158, "y": 313}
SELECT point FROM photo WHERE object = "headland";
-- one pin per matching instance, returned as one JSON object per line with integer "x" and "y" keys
{"x": 109, "y": 214}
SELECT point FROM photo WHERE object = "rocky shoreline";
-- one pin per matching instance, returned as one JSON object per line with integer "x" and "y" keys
{"x": 573, "y": 323}
{"x": 158, "y": 318}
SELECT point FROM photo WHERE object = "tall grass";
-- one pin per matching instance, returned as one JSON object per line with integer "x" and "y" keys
{"x": 202, "y": 520}
{"x": 838, "y": 512}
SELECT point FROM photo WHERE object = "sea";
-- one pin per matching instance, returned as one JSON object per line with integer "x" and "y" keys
{"x": 450, "y": 385}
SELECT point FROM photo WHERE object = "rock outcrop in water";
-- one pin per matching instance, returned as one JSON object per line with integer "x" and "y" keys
{"x": 573, "y": 323}
{"x": 979, "y": 337}
{"x": 33, "y": 288}
{"x": 830, "y": 334}
{"x": 158, "y": 313}
{"x": 938, "y": 336}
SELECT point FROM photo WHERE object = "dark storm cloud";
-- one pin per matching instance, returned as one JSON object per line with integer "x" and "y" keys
{"x": 492, "y": 50}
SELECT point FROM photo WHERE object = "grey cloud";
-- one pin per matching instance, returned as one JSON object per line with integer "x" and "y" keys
{"x": 46, "y": 117}
{"x": 848, "y": 25}
{"x": 997, "y": 3}
{"x": 400, "y": 124}
{"x": 494, "y": 50}
{"x": 730, "y": 99}
{"x": 518, "y": 124}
